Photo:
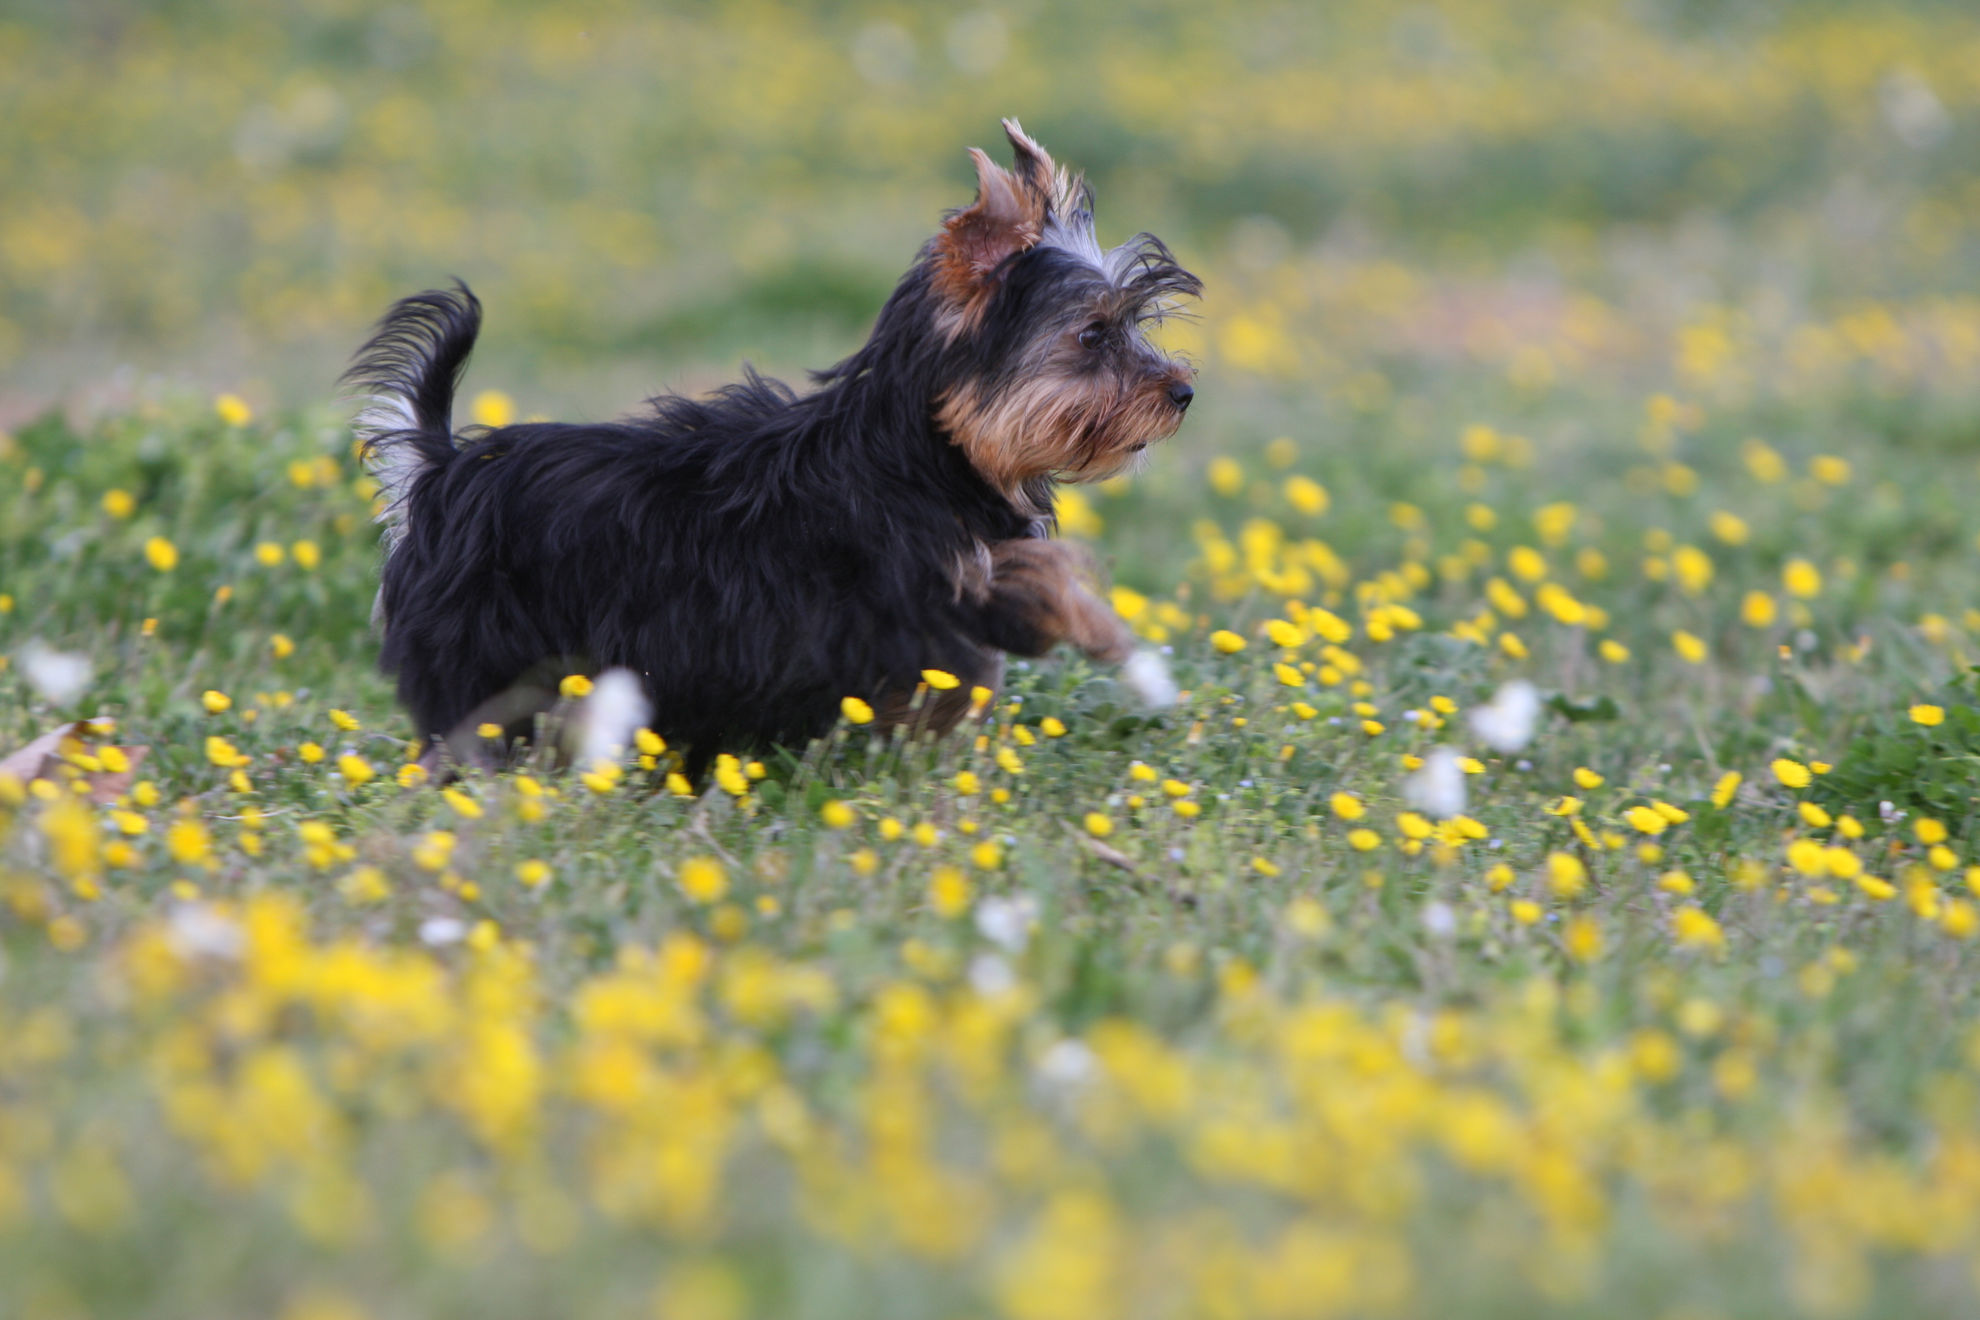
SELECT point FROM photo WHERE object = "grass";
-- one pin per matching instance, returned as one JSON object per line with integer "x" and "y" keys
{"x": 1672, "y": 412}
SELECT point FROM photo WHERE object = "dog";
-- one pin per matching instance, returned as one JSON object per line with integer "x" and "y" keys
{"x": 758, "y": 555}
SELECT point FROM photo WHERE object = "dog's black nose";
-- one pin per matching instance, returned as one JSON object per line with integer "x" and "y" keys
{"x": 1180, "y": 395}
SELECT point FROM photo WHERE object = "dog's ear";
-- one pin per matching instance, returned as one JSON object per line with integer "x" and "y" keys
{"x": 1007, "y": 217}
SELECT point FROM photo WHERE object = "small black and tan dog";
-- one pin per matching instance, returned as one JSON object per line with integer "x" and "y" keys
{"x": 758, "y": 555}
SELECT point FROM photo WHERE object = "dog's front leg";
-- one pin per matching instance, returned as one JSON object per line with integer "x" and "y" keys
{"x": 1042, "y": 593}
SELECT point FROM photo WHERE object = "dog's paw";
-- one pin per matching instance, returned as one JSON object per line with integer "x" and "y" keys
{"x": 1147, "y": 673}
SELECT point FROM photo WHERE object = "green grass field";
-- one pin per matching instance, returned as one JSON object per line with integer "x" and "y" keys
{"x": 1631, "y": 351}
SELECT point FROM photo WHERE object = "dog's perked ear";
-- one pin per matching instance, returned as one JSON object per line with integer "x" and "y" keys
{"x": 1009, "y": 215}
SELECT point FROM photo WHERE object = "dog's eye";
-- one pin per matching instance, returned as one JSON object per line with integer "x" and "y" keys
{"x": 1093, "y": 336}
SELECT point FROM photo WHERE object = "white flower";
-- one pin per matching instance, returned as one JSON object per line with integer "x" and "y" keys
{"x": 59, "y": 676}
{"x": 197, "y": 931}
{"x": 1006, "y": 922}
{"x": 1147, "y": 674}
{"x": 436, "y": 931}
{"x": 1436, "y": 788}
{"x": 1506, "y": 723}
{"x": 1439, "y": 920}
{"x": 616, "y": 708}
{"x": 990, "y": 976}
{"x": 1068, "y": 1064}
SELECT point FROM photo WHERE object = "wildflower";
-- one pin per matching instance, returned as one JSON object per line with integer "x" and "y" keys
{"x": 1646, "y": 820}
{"x": 949, "y": 892}
{"x": 161, "y": 554}
{"x": 1437, "y": 787}
{"x": 345, "y": 721}
{"x": 119, "y": 504}
{"x": 1586, "y": 779}
{"x": 224, "y": 754}
{"x": 729, "y": 775}
{"x": 1801, "y": 579}
{"x": 1567, "y": 878}
{"x": 1689, "y": 646}
{"x": 1347, "y": 806}
{"x": 233, "y": 410}
{"x": 1226, "y": 641}
{"x": 1288, "y": 675}
{"x": 310, "y": 753}
{"x": 357, "y": 771}
{"x": 1757, "y": 610}
{"x": 940, "y": 679}
{"x": 1582, "y": 938}
{"x": 1722, "y": 792}
{"x": 1612, "y": 651}
{"x": 281, "y": 646}
{"x": 1361, "y": 840}
{"x": 533, "y": 873}
{"x": 1525, "y": 911}
{"x": 967, "y": 783}
{"x": 188, "y": 842}
{"x": 1052, "y": 727}
{"x": 1098, "y": 825}
{"x": 462, "y": 803}
{"x": 1793, "y": 774}
{"x": 1506, "y": 723}
{"x": 1306, "y": 495}
{"x": 1928, "y": 831}
{"x": 307, "y": 555}
{"x": 703, "y": 880}
{"x": 837, "y": 815}
{"x": 1694, "y": 928}
{"x": 987, "y": 855}
{"x": 1929, "y": 716}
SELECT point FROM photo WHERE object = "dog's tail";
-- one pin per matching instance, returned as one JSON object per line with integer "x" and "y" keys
{"x": 407, "y": 372}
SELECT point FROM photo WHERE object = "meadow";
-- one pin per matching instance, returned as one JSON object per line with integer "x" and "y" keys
{"x": 1626, "y": 351}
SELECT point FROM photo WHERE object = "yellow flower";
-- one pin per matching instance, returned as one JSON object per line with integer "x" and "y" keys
{"x": 1647, "y": 820}
{"x": 1226, "y": 477}
{"x": 1928, "y": 715}
{"x": 1364, "y": 840}
{"x": 574, "y": 686}
{"x": 1793, "y": 774}
{"x": 532, "y": 873}
{"x": 1722, "y": 792}
{"x": 987, "y": 855}
{"x": 492, "y": 408}
{"x": 1285, "y": 634}
{"x": 346, "y": 721}
{"x": 967, "y": 783}
{"x": 703, "y": 880}
{"x": 949, "y": 892}
{"x": 215, "y": 702}
{"x": 233, "y": 410}
{"x": 1689, "y": 646}
{"x": 310, "y": 753}
{"x": 270, "y": 554}
{"x": 1525, "y": 911}
{"x": 729, "y": 775}
{"x": 1612, "y": 651}
{"x": 1801, "y": 578}
{"x": 224, "y": 754}
{"x": 1586, "y": 779}
{"x": 1227, "y": 641}
{"x": 462, "y": 803}
{"x": 307, "y": 555}
{"x": 940, "y": 679}
{"x": 1098, "y": 825}
{"x": 1347, "y": 806}
{"x": 1306, "y": 495}
{"x": 1757, "y": 610}
{"x": 1582, "y": 938}
{"x": 357, "y": 771}
{"x": 188, "y": 842}
{"x": 856, "y": 711}
{"x": 1694, "y": 928}
{"x": 282, "y": 646}
{"x": 162, "y": 554}
{"x": 1288, "y": 675}
{"x": 119, "y": 503}
{"x": 837, "y": 815}
{"x": 1052, "y": 727}
{"x": 1566, "y": 876}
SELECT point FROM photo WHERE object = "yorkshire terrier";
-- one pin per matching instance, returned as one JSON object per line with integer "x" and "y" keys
{"x": 758, "y": 555}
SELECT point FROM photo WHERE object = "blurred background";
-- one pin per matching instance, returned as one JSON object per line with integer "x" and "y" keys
{"x": 1732, "y": 196}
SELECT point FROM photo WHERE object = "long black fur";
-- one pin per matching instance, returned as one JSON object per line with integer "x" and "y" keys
{"x": 755, "y": 555}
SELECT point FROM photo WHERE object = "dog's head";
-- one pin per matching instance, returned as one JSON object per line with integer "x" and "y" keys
{"x": 1054, "y": 376}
